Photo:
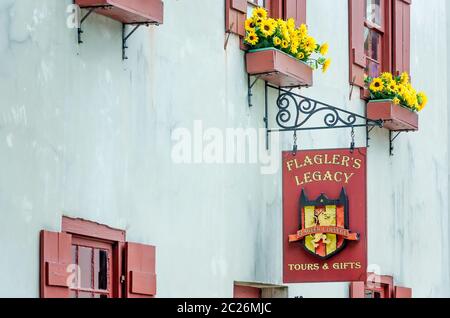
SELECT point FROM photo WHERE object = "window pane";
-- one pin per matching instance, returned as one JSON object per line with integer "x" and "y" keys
{"x": 372, "y": 44}
{"x": 373, "y": 12}
{"x": 85, "y": 263}
{"x": 250, "y": 7}
{"x": 373, "y": 69}
{"x": 74, "y": 273}
{"x": 100, "y": 269}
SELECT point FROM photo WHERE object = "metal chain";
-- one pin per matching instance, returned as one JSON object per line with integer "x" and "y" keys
{"x": 352, "y": 144}
{"x": 295, "y": 147}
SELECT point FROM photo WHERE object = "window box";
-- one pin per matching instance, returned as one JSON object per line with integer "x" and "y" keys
{"x": 278, "y": 68}
{"x": 395, "y": 117}
{"x": 128, "y": 11}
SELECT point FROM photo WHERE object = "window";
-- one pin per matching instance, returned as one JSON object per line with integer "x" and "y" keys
{"x": 236, "y": 12}
{"x": 378, "y": 286}
{"x": 93, "y": 268}
{"x": 90, "y": 260}
{"x": 374, "y": 30}
{"x": 379, "y": 38}
{"x": 258, "y": 290}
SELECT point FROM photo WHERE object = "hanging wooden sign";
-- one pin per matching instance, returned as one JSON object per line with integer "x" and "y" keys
{"x": 324, "y": 216}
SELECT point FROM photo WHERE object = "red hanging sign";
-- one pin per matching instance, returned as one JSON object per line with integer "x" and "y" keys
{"x": 324, "y": 216}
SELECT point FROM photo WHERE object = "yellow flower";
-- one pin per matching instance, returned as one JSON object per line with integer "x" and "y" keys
{"x": 303, "y": 30}
{"x": 301, "y": 55}
{"x": 252, "y": 38}
{"x": 396, "y": 101}
{"x": 277, "y": 41}
{"x": 284, "y": 44}
{"x": 258, "y": 21}
{"x": 310, "y": 44}
{"x": 294, "y": 46}
{"x": 400, "y": 89}
{"x": 260, "y": 13}
{"x": 326, "y": 65}
{"x": 249, "y": 25}
{"x": 387, "y": 77}
{"x": 291, "y": 24}
{"x": 377, "y": 85}
{"x": 267, "y": 28}
{"x": 404, "y": 78}
{"x": 324, "y": 49}
{"x": 422, "y": 100}
{"x": 392, "y": 85}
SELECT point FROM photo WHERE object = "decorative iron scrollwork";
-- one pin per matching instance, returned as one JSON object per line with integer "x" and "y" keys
{"x": 295, "y": 111}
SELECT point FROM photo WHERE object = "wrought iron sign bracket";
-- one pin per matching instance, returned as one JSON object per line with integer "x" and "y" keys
{"x": 299, "y": 113}
{"x": 90, "y": 11}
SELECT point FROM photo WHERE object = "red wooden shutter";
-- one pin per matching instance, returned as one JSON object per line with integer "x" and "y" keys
{"x": 55, "y": 257}
{"x": 356, "y": 35}
{"x": 246, "y": 292}
{"x": 275, "y": 8}
{"x": 357, "y": 289}
{"x": 402, "y": 292}
{"x": 295, "y": 9}
{"x": 140, "y": 271}
{"x": 235, "y": 16}
{"x": 402, "y": 36}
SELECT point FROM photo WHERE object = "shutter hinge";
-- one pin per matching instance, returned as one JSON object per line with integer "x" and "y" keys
{"x": 122, "y": 279}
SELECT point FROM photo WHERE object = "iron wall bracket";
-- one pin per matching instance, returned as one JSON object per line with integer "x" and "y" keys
{"x": 125, "y": 35}
{"x": 90, "y": 11}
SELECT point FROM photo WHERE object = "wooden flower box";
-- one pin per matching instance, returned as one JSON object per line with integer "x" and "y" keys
{"x": 278, "y": 68}
{"x": 128, "y": 11}
{"x": 395, "y": 117}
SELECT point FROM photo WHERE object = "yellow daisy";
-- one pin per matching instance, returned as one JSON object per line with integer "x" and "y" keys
{"x": 392, "y": 86}
{"x": 396, "y": 101}
{"x": 326, "y": 65}
{"x": 252, "y": 38}
{"x": 404, "y": 78}
{"x": 422, "y": 100}
{"x": 324, "y": 49}
{"x": 310, "y": 44}
{"x": 267, "y": 28}
{"x": 301, "y": 55}
{"x": 291, "y": 24}
{"x": 284, "y": 44}
{"x": 249, "y": 25}
{"x": 387, "y": 76}
{"x": 377, "y": 85}
{"x": 260, "y": 13}
{"x": 276, "y": 41}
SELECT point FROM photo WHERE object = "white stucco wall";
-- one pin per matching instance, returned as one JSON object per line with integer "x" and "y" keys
{"x": 86, "y": 135}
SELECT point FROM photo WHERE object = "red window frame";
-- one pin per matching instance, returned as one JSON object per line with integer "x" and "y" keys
{"x": 385, "y": 49}
{"x": 94, "y": 235}
{"x": 378, "y": 286}
{"x": 132, "y": 266}
{"x": 395, "y": 44}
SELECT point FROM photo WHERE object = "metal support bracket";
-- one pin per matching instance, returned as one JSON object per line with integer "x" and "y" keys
{"x": 392, "y": 136}
{"x": 256, "y": 78}
{"x": 125, "y": 36}
{"x": 90, "y": 11}
{"x": 250, "y": 88}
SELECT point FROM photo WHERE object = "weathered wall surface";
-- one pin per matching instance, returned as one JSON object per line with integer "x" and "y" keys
{"x": 86, "y": 135}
